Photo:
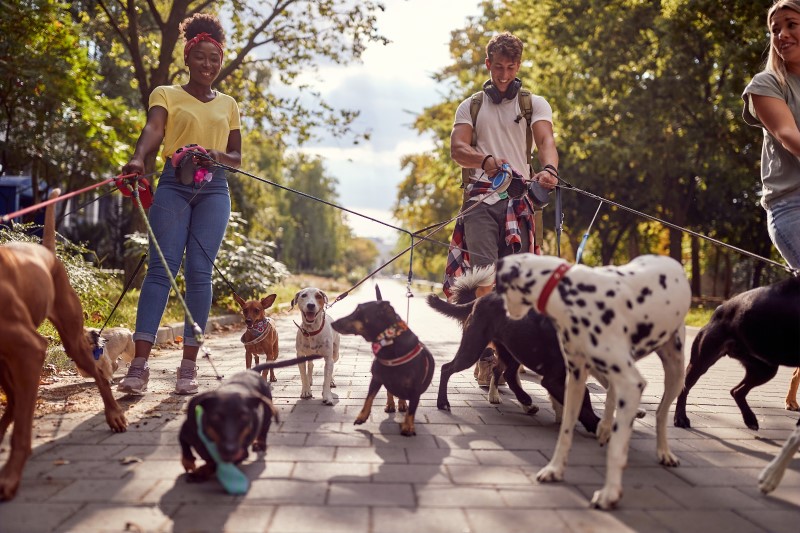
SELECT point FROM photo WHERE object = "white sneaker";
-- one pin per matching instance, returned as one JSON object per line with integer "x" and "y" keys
{"x": 187, "y": 378}
{"x": 135, "y": 381}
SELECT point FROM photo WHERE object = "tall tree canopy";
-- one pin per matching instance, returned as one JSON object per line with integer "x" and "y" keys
{"x": 647, "y": 107}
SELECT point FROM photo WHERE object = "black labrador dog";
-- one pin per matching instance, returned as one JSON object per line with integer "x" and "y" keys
{"x": 402, "y": 363}
{"x": 531, "y": 341}
{"x": 759, "y": 328}
{"x": 234, "y": 416}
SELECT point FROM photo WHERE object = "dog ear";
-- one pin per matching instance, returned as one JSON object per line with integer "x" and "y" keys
{"x": 239, "y": 300}
{"x": 294, "y": 300}
{"x": 378, "y": 292}
{"x": 324, "y": 297}
{"x": 272, "y": 411}
{"x": 267, "y": 301}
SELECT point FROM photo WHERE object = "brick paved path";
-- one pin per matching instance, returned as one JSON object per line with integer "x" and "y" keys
{"x": 470, "y": 470}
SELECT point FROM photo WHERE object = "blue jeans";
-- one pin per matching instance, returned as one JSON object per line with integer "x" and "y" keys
{"x": 190, "y": 218}
{"x": 783, "y": 224}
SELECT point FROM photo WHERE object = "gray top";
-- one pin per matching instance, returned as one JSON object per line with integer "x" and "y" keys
{"x": 780, "y": 169}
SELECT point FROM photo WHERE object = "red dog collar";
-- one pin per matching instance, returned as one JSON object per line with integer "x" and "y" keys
{"x": 555, "y": 277}
{"x": 311, "y": 333}
{"x": 400, "y": 360}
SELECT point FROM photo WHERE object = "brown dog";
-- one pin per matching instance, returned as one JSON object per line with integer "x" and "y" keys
{"x": 34, "y": 286}
{"x": 261, "y": 336}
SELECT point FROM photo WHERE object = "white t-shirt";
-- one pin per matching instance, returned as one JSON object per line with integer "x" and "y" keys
{"x": 499, "y": 134}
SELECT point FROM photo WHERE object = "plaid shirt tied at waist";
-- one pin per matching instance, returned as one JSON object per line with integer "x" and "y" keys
{"x": 518, "y": 209}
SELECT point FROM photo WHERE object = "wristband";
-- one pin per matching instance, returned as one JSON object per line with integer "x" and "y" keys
{"x": 553, "y": 171}
{"x": 485, "y": 159}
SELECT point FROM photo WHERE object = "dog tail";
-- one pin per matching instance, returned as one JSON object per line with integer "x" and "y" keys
{"x": 463, "y": 290}
{"x": 281, "y": 364}
{"x": 458, "y": 311}
{"x": 49, "y": 235}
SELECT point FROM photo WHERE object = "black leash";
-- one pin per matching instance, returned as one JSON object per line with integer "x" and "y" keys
{"x": 566, "y": 185}
{"x": 125, "y": 290}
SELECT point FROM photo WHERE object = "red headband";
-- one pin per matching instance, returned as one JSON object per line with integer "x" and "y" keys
{"x": 196, "y": 39}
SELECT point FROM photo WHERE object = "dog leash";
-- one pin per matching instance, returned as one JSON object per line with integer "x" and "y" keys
{"x": 564, "y": 184}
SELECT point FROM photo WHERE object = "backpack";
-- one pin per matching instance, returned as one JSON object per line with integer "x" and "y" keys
{"x": 526, "y": 106}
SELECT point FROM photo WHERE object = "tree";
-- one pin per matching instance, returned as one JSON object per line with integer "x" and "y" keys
{"x": 53, "y": 123}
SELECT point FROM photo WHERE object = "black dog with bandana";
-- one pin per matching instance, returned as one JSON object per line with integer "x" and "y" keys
{"x": 402, "y": 363}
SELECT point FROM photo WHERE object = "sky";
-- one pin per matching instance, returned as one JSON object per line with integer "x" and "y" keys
{"x": 391, "y": 85}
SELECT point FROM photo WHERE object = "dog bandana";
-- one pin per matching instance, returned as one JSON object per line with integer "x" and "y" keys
{"x": 387, "y": 336}
{"x": 458, "y": 254}
{"x": 259, "y": 330}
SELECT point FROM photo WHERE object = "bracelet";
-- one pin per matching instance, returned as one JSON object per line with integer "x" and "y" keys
{"x": 485, "y": 159}
{"x": 553, "y": 171}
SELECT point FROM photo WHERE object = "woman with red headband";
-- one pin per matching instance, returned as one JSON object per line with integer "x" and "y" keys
{"x": 192, "y": 204}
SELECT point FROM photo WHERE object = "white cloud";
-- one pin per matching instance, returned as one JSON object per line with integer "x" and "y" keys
{"x": 392, "y": 80}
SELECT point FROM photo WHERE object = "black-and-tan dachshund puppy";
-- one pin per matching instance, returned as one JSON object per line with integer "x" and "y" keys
{"x": 402, "y": 363}
{"x": 235, "y": 416}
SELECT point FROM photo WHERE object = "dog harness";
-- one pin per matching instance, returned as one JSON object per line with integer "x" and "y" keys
{"x": 387, "y": 338}
{"x": 311, "y": 333}
{"x": 259, "y": 330}
{"x": 552, "y": 281}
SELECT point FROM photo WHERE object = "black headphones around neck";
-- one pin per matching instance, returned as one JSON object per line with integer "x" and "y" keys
{"x": 496, "y": 96}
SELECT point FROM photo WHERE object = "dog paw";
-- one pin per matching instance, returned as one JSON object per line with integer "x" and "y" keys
{"x": 606, "y": 498}
{"x": 667, "y": 458}
{"x": 327, "y": 401}
{"x": 8, "y": 487}
{"x": 358, "y": 421}
{"x": 751, "y": 423}
{"x": 792, "y": 407}
{"x": 390, "y": 408}
{"x": 641, "y": 413}
{"x": 443, "y": 405}
{"x": 333, "y": 384}
{"x": 407, "y": 431}
{"x": 768, "y": 480}
{"x": 530, "y": 409}
{"x": 402, "y": 406}
{"x": 116, "y": 421}
{"x": 549, "y": 474}
{"x": 306, "y": 395}
{"x": 603, "y": 433}
{"x": 188, "y": 464}
{"x": 494, "y": 396}
{"x": 682, "y": 421}
{"x": 273, "y": 379}
{"x": 260, "y": 446}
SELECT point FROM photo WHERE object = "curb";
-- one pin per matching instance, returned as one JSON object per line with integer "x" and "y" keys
{"x": 167, "y": 334}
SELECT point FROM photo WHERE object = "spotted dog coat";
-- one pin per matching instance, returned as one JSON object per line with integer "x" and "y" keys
{"x": 315, "y": 336}
{"x": 606, "y": 319}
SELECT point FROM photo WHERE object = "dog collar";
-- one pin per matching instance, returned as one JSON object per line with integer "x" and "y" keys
{"x": 387, "y": 336}
{"x": 311, "y": 333}
{"x": 555, "y": 277}
{"x": 259, "y": 329}
{"x": 400, "y": 360}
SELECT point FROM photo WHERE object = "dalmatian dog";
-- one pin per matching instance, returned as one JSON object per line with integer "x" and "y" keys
{"x": 315, "y": 336}
{"x": 606, "y": 319}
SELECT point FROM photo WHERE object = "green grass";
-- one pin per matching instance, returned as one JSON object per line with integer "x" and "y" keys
{"x": 699, "y": 316}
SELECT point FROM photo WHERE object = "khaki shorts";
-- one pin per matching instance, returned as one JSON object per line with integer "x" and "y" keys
{"x": 485, "y": 234}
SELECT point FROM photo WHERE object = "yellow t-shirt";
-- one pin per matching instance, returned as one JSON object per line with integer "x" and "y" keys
{"x": 190, "y": 121}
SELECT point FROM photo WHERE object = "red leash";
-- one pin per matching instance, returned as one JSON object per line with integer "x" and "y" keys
{"x": 29, "y": 209}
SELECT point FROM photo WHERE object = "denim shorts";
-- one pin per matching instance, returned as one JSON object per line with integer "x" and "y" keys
{"x": 190, "y": 220}
{"x": 783, "y": 224}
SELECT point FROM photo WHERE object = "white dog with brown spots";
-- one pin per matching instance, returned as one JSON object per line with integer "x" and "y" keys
{"x": 606, "y": 318}
{"x": 315, "y": 336}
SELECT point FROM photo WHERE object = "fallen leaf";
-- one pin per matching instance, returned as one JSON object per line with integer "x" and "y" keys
{"x": 59, "y": 462}
{"x": 130, "y": 460}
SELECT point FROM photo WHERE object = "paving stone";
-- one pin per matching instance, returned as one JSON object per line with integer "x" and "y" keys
{"x": 212, "y": 518}
{"x": 306, "y": 519}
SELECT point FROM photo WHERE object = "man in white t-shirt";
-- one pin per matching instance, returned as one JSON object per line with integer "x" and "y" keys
{"x": 488, "y": 229}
